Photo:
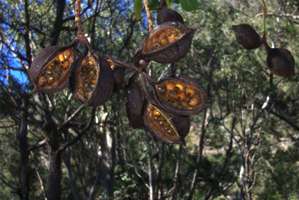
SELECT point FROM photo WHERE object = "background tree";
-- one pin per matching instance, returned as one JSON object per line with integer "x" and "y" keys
{"x": 242, "y": 146}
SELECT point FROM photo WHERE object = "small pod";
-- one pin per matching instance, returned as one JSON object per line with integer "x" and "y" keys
{"x": 247, "y": 36}
{"x": 164, "y": 126}
{"x": 180, "y": 96}
{"x": 118, "y": 74}
{"x": 168, "y": 42}
{"x": 281, "y": 62}
{"x": 168, "y": 15}
{"x": 49, "y": 71}
{"x": 135, "y": 104}
{"x": 93, "y": 80}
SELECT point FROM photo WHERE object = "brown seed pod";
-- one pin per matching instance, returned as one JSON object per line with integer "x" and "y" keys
{"x": 281, "y": 62}
{"x": 168, "y": 15}
{"x": 247, "y": 36}
{"x": 168, "y": 42}
{"x": 162, "y": 125}
{"x": 180, "y": 96}
{"x": 118, "y": 74}
{"x": 135, "y": 105}
{"x": 93, "y": 80}
{"x": 49, "y": 71}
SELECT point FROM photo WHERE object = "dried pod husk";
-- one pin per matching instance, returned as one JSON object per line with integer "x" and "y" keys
{"x": 118, "y": 74}
{"x": 247, "y": 36}
{"x": 49, "y": 71}
{"x": 162, "y": 125}
{"x": 180, "y": 96}
{"x": 168, "y": 15}
{"x": 135, "y": 104}
{"x": 168, "y": 42}
{"x": 93, "y": 80}
{"x": 281, "y": 62}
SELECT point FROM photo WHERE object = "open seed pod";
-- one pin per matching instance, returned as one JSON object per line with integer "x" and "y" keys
{"x": 93, "y": 80}
{"x": 164, "y": 126}
{"x": 247, "y": 36}
{"x": 180, "y": 96}
{"x": 168, "y": 42}
{"x": 281, "y": 62}
{"x": 49, "y": 71}
{"x": 135, "y": 105}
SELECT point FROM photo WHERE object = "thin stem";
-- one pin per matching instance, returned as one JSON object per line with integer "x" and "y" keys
{"x": 265, "y": 12}
{"x": 78, "y": 18}
{"x": 120, "y": 63}
{"x": 150, "y": 23}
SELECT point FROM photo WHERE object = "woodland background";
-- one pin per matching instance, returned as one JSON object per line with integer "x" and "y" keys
{"x": 244, "y": 145}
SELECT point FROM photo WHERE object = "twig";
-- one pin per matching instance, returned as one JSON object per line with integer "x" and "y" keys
{"x": 150, "y": 23}
{"x": 72, "y": 116}
{"x": 78, "y": 18}
{"x": 38, "y": 145}
{"x": 80, "y": 135}
{"x": 123, "y": 64}
{"x": 264, "y": 15}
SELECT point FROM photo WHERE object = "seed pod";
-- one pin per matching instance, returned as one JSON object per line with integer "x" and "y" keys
{"x": 135, "y": 105}
{"x": 180, "y": 96}
{"x": 247, "y": 36}
{"x": 281, "y": 62}
{"x": 93, "y": 80}
{"x": 168, "y": 15}
{"x": 49, "y": 71}
{"x": 168, "y": 43}
{"x": 163, "y": 125}
{"x": 118, "y": 74}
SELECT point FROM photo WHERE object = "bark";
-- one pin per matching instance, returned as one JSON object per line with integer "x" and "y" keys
{"x": 24, "y": 158}
{"x": 60, "y": 6}
{"x": 54, "y": 176}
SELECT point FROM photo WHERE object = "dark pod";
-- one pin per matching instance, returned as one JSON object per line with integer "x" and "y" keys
{"x": 180, "y": 96}
{"x": 168, "y": 15}
{"x": 281, "y": 62}
{"x": 168, "y": 42}
{"x": 164, "y": 126}
{"x": 118, "y": 74}
{"x": 49, "y": 71}
{"x": 93, "y": 80}
{"x": 135, "y": 104}
{"x": 247, "y": 36}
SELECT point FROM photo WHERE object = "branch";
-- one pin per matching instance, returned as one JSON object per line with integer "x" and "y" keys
{"x": 150, "y": 23}
{"x": 57, "y": 26}
{"x": 285, "y": 119}
{"x": 78, "y": 18}
{"x": 80, "y": 135}
{"x": 26, "y": 35}
{"x": 72, "y": 116}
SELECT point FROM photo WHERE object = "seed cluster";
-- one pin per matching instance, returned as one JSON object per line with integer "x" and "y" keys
{"x": 55, "y": 71}
{"x": 163, "y": 38}
{"x": 157, "y": 121}
{"x": 179, "y": 94}
{"x": 87, "y": 78}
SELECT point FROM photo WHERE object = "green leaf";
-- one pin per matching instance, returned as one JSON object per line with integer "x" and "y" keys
{"x": 189, "y": 5}
{"x": 137, "y": 9}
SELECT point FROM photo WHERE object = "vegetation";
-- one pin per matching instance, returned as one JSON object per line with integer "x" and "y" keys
{"x": 243, "y": 145}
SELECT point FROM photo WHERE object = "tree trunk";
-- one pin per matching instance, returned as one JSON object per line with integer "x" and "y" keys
{"x": 54, "y": 178}
{"x": 55, "y": 159}
{"x": 24, "y": 158}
